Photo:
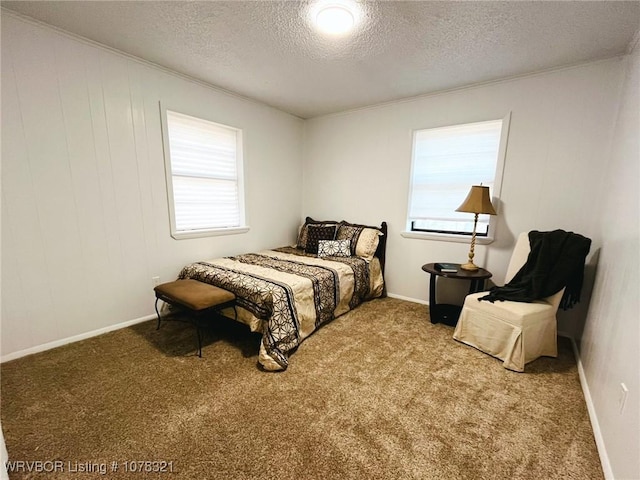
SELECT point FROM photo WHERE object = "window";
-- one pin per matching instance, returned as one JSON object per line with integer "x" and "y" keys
{"x": 446, "y": 162}
{"x": 203, "y": 162}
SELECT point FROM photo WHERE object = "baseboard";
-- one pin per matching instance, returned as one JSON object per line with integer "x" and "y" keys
{"x": 75, "y": 338}
{"x": 408, "y": 299}
{"x": 595, "y": 426}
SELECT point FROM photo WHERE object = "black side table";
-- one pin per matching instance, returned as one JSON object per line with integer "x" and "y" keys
{"x": 445, "y": 313}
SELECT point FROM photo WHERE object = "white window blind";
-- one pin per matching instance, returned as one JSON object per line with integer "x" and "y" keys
{"x": 447, "y": 161}
{"x": 205, "y": 161}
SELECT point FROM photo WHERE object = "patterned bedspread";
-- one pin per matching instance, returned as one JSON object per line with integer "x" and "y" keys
{"x": 290, "y": 293}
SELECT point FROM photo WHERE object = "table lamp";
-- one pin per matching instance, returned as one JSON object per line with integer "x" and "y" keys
{"x": 477, "y": 202}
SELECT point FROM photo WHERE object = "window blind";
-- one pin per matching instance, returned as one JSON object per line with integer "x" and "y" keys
{"x": 204, "y": 173}
{"x": 447, "y": 161}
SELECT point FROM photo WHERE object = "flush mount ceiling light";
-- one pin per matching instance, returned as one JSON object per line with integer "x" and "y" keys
{"x": 334, "y": 18}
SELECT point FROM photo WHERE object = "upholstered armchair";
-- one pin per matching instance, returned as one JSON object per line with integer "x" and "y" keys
{"x": 515, "y": 332}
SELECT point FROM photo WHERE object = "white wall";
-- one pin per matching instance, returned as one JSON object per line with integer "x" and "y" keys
{"x": 357, "y": 164}
{"x": 84, "y": 206}
{"x": 609, "y": 349}
{"x": 4, "y": 457}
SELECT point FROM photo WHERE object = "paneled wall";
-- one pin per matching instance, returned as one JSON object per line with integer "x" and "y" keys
{"x": 609, "y": 348}
{"x": 85, "y": 222}
{"x": 357, "y": 165}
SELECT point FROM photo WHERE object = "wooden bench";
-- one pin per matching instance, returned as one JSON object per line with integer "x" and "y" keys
{"x": 196, "y": 298}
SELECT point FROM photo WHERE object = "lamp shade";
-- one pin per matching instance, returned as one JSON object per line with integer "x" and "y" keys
{"x": 477, "y": 201}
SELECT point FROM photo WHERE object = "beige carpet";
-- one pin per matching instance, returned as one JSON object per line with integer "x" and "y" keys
{"x": 379, "y": 393}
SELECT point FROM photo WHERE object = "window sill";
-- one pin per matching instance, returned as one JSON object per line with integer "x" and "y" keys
{"x": 214, "y": 232}
{"x": 444, "y": 237}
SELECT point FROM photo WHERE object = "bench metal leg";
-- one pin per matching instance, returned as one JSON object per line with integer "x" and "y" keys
{"x": 158, "y": 313}
{"x": 195, "y": 321}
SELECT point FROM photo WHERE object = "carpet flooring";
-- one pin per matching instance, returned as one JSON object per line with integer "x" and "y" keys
{"x": 379, "y": 393}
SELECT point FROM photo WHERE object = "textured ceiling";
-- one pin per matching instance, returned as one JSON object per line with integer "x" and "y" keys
{"x": 267, "y": 50}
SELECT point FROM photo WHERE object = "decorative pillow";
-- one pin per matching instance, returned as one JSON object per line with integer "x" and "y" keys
{"x": 363, "y": 240}
{"x": 349, "y": 232}
{"x": 334, "y": 248}
{"x": 315, "y": 233}
{"x": 302, "y": 235}
{"x": 368, "y": 243}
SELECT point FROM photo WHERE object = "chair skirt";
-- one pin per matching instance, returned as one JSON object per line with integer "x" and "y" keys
{"x": 515, "y": 332}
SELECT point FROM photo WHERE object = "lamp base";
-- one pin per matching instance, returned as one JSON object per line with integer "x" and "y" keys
{"x": 469, "y": 266}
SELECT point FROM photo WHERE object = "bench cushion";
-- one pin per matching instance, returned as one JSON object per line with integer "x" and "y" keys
{"x": 193, "y": 294}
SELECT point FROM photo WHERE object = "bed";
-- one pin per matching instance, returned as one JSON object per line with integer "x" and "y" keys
{"x": 287, "y": 293}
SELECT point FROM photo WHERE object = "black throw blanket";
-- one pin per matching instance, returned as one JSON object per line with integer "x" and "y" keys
{"x": 556, "y": 260}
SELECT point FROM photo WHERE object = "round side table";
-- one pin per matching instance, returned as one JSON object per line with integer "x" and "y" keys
{"x": 445, "y": 313}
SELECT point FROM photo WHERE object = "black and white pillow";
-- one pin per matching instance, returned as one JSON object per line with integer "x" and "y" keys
{"x": 304, "y": 230}
{"x": 351, "y": 233}
{"x": 315, "y": 233}
{"x": 334, "y": 248}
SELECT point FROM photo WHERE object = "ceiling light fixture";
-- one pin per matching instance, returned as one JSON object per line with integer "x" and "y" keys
{"x": 337, "y": 17}
{"x": 335, "y": 20}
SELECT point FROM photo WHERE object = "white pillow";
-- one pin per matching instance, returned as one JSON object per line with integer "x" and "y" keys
{"x": 334, "y": 248}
